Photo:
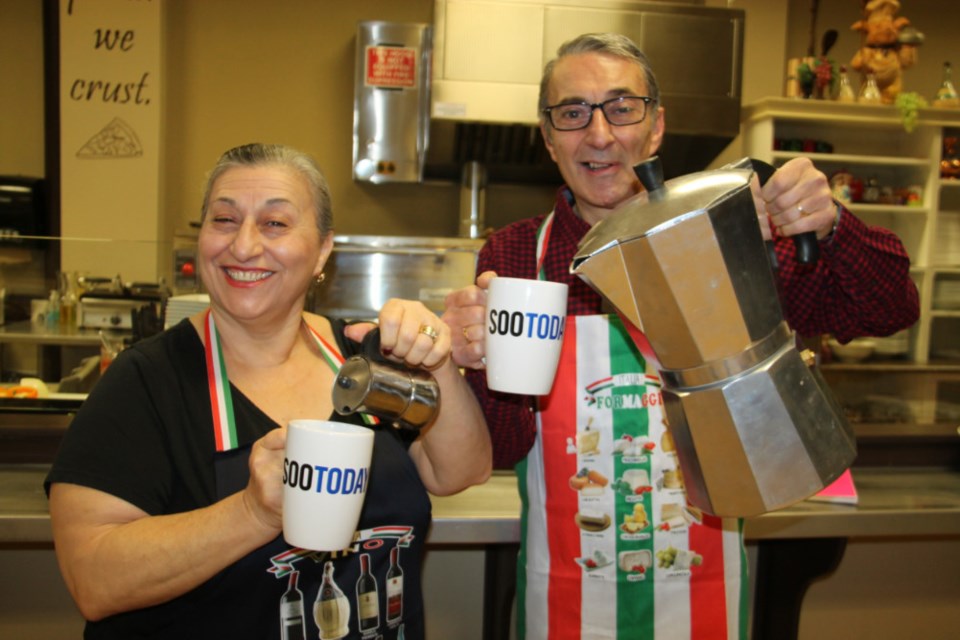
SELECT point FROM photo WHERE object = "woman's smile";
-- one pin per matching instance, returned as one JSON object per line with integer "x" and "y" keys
{"x": 247, "y": 275}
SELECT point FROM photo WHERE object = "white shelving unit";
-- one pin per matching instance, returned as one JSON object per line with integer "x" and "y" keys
{"x": 869, "y": 140}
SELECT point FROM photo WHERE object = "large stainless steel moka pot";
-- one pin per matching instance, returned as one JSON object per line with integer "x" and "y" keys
{"x": 756, "y": 428}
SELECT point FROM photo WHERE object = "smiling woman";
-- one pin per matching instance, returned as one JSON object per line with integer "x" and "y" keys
{"x": 179, "y": 450}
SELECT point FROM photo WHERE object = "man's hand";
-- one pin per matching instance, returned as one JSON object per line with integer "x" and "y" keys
{"x": 796, "y": 199}
{"x": 464, "y": 314}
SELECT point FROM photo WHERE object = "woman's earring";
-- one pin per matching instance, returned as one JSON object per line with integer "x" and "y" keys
{"x": 320, "y": 278}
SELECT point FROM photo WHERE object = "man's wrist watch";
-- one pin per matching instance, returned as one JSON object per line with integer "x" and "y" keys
{"x": 836, "y": 222}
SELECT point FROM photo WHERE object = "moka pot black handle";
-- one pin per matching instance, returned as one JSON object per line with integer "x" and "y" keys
{"x": 807, "y": 245}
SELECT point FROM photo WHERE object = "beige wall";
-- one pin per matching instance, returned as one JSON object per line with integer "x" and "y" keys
{"x": 285, "y": 74}
{"x": 21, "y": 88}
{"x": 242, "y": 70}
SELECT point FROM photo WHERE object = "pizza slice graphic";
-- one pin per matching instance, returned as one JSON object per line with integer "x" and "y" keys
{"x": 116, "y": 140}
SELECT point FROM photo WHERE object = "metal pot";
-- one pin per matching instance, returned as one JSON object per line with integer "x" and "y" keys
{"x": 756, "y": 428}
{"x": 406, "y": 398}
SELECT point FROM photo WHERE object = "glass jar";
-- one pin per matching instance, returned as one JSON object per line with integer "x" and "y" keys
{"x": 947, "y": 93}
{"x": 845, "y": 91}
{"x": 870, "y": 92}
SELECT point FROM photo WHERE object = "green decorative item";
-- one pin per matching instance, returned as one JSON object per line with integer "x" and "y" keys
{"x": 819, "y": 78}
{"x": 909, "y": 103}
{"x": 806, "y": 78}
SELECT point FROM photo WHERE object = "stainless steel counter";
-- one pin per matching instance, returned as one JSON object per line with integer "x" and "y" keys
{"x": 57, "y": 350}
{"x": 23, "y": 505}
{"x": 894, "y": 502}
{"x": 30, "y": 333}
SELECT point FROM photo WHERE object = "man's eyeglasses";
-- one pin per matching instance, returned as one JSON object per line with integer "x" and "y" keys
{"x": 619, "y": 112}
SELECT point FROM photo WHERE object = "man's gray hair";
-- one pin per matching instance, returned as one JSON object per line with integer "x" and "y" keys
{"x": 258, "y": 155}
{"x": 611, "y": 44}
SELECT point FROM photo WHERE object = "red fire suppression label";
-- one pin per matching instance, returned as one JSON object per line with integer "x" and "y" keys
{"x": 391, "y": 67}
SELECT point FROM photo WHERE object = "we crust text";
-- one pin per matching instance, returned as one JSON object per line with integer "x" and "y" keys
{"x": 110, "y": 41}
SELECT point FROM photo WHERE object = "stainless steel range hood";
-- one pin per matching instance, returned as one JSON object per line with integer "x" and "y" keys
{"x": 488, "y": 56}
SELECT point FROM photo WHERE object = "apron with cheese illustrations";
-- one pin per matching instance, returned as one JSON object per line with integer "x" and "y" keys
{"x": 609, "y": 546}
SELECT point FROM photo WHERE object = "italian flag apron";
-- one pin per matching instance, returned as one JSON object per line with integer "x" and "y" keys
{"x": 609, "y": 546}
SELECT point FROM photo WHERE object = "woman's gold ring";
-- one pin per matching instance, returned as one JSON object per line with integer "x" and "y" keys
{"x": 429, "y": 331}
{"x": 800, "y": 210}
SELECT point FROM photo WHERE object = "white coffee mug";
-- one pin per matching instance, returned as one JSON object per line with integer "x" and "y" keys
{"x": 326, "y": 469}
{"x": 524, "y": 332}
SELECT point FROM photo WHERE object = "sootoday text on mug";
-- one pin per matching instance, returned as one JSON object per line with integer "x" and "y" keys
{"x": 524, "y": 332}
{"x": 326, "y": 468}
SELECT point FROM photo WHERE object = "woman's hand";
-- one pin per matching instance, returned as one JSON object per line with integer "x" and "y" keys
{"x": 454, "y": 451}
{"x": 465, "y": 315}
{"x": 409, "y": 333}
{"x": 263, "y": 496}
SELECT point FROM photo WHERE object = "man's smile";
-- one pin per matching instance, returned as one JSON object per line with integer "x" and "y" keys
{"x": 597, "y": 166}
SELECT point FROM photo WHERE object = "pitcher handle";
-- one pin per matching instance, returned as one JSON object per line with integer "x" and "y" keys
{"x": 808, "y": 249}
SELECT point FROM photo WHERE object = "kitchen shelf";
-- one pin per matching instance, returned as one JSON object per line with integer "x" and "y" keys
{"x": 861, "y": 208}
{"x": 897, "y": 392}
{"x": 851, "y": 115}
{"x": 847, "y": 158}
{"x": 895, "y": 366}
{"x": 870, "y": 140}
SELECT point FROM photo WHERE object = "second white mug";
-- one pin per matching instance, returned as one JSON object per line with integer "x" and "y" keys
{"x": 524, "y": 333}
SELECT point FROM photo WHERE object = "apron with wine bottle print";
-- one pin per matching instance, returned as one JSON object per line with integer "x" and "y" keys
{"x": 609, "y": 546}
{"x": 355, "y": 593}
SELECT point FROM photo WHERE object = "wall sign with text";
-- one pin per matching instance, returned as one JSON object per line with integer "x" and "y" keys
{"x": 110, "y": 99}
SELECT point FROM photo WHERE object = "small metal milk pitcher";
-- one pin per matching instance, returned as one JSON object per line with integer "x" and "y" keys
{"x": 367, "y": 383}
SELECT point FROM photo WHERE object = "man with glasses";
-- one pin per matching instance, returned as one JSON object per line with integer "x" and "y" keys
{"x": 609, "y": 546}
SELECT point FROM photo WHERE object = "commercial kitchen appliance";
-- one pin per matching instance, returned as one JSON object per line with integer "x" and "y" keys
{"x": 363, "y": 272}
{"x": 429, "y": 99}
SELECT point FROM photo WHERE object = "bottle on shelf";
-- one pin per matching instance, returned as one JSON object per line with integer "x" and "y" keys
{"x": 331, "y": 610}
{"x": 68, "y": 301}
{"x": 845, "y": 91}
{"x": 870, "y": 92}
{"x": 394, "y": 589}
{"x": 947, "y": 94}
{"x": 368, "y": 601}
{"x": 52, "y": 317}
{"x": 292, "y": 625}
{"x": 871, "y": 192}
